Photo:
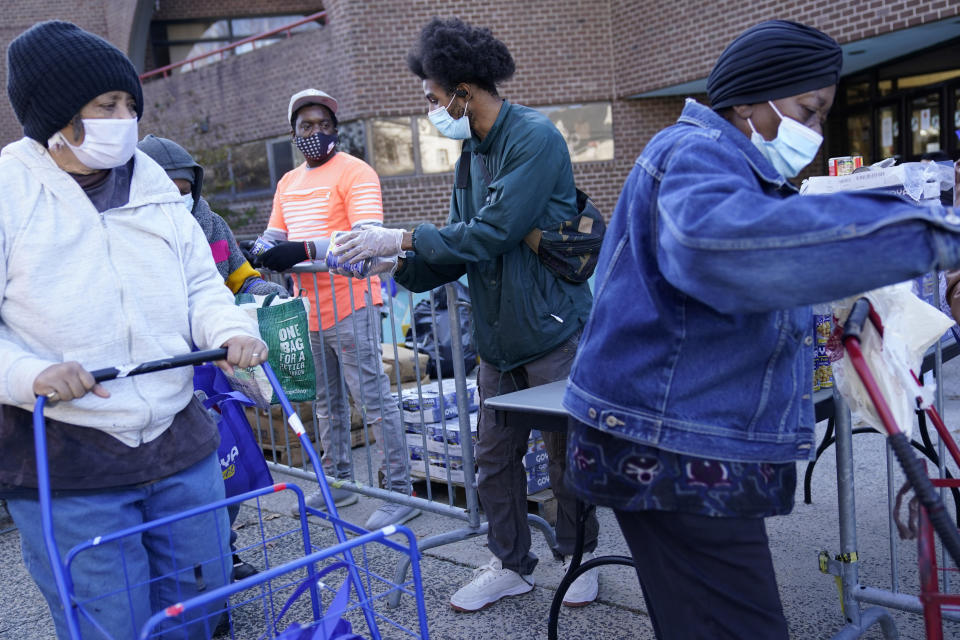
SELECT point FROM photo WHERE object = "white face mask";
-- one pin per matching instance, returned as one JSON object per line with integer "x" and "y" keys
{"x": 794, "y": 147}
{"x": 458, "y": 129}
{"x": 107, "y": 142}
{"x": 187, "y": 199}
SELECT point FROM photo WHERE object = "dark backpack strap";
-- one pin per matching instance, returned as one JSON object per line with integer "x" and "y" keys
{"x": 462, "y": 180}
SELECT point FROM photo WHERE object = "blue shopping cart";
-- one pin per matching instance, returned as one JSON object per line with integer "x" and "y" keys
{"x": 306, "y": 589}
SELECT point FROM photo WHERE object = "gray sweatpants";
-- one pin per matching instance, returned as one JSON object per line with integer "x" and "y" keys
{"x": 349, "y": 353}
{"x": 502, "y": 484}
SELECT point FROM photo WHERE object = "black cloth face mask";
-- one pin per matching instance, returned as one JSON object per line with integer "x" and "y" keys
{"x": 318, "y": 146}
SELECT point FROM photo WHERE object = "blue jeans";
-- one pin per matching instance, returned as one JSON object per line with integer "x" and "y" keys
{"x": 128, "y": 580}
{"x": 352, "y": 347}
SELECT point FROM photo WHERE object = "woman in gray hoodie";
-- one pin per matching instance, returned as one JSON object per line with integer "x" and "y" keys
{"x": 101, "y": 265}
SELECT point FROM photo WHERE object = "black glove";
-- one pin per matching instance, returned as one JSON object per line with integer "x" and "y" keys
{"x": 245, "y": 246}
{"x": 283, "y": 255}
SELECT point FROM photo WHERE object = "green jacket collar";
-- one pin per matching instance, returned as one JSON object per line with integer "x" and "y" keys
{"x": 483, "y": 146}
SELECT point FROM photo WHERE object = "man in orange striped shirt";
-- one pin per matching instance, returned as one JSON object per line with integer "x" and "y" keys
{"x": 332, "y": 192}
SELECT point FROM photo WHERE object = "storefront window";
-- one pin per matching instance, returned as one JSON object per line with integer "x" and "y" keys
{"x": 884, "y": 87}
{"x": 587, "y": 128}
{"x": 888, "y": 121}
{"x": 250, "y": 169}
{"x": 858, "y": 92}
{"x": 392, "y": 141}
{"x": 177, "y": 40}
{"x": 353, "y": 139}
{"x": 858, "y": 136}
{"x": 438, "y": 153}
{"x": 925, "y": 124}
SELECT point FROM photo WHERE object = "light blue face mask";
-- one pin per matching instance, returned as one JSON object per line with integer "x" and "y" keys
{"x": 458, "y": 129}
{"x": 187, "y": 200}
{"x": 794, "y": 147}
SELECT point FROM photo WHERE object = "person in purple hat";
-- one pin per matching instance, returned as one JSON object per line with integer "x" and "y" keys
{"x": 692, "y": 389}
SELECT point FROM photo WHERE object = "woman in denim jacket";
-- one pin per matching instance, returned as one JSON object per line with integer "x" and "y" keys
{"x": 691, "y": 390}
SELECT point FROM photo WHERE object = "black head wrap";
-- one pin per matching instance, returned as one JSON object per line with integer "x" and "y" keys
{"x": 772, "y": 60}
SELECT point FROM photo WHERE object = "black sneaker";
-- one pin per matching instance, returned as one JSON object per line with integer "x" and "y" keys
{"x": 241, "y": 569}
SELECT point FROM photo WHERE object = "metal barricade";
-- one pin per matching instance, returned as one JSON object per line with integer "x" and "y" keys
{"x": 862, "y": 605}
{"x": 281, "y": 451}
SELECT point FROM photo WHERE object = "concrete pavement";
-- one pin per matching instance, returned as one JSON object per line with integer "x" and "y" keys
{"x": 810, "y": 598}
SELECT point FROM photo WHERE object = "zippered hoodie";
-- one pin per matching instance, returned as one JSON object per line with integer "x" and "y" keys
{"x": 132, "y": 284}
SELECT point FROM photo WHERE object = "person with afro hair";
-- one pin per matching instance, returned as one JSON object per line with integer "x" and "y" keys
{"x": 514, "y": 175}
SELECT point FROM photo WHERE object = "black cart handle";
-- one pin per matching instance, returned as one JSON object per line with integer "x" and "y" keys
{"x": 853, "y": 326}
{"x": 196, "y": 357}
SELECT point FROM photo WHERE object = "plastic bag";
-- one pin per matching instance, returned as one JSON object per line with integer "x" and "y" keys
{"x": 438, "y": 344}
{"x": 284, "y": 328}
{"x": 910, "y": 327}
{"x": 332, "y": 626}
{"x": 241, "y": 459}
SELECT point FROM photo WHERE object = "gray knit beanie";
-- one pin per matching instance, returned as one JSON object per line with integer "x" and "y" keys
{"x": 54, "y": 68}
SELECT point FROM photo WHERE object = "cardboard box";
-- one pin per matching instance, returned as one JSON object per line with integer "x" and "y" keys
{"x": 407, "y": 360}
{"x": 911, "y": 179}
{"x": 448, "y": 430}
{"x": 435, "y": 408}
{"x": 536, "y": 443}
{"x": 536, "y": 460}
{"x": 418, "y": 468}
{"x": 440, "y": 457}
{"x": 271, "y": 426}
{"x": 537, "y": 482}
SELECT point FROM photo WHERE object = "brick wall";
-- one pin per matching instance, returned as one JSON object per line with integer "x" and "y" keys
{"x": 178, "y": 9}
{"x": 359, "y": 57}
{"x": 19, "y": 16}
{"x": 118, "y": 22}
{"x": 567, "y": 51}
{"x": 667, "y": 43}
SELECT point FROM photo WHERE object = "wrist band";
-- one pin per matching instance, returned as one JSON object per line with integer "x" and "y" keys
{"x": 306, "y": 248}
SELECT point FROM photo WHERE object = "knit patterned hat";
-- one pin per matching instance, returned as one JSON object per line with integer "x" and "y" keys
{"x": 54, "y": 68}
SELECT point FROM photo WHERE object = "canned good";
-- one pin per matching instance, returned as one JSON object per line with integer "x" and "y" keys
{"x": 358, "y": 269}
{"x": 822, "y": 370}
{"x": 843, "y": 165}
{"x": 260, "y": 245}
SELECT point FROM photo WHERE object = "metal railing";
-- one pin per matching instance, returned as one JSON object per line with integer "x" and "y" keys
{"x": 222, "y": 51}
{"x": 427, "y": 434}
{"x": 865, "y": 606}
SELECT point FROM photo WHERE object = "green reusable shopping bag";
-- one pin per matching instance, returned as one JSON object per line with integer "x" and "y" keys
{"x": 283, "y": 326}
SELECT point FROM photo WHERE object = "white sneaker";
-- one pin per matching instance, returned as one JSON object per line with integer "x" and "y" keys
{"x": 490, "y": 583}
{"x": 584, "y": 589}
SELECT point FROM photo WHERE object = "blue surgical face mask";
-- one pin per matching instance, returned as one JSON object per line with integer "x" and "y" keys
{"x": 458, "y": 129}
{"x": 794, "y": 147}
{"x": 187, "y": 200}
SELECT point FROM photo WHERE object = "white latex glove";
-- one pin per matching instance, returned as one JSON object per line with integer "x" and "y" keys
{"x": 381, "y": 266}
{"x": 369, "y": 242}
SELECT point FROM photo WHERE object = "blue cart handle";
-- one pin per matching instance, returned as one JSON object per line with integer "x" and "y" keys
{"x": 197, "y": 357}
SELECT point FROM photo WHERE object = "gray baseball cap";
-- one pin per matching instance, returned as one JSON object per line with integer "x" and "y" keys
{"x": 310, "y": 96}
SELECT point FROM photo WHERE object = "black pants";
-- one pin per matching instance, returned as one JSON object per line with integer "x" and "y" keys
{"x": 705, "y": 578}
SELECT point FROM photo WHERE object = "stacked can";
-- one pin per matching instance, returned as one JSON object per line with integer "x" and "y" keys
{"x": 260, "y": 245}
{"x": 359, "y": 269}
{"x": 844, "y": 165}
{"x": 822, "y": 328}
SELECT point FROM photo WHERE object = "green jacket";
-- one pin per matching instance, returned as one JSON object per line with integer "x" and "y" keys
{"x": 521, "y": 310}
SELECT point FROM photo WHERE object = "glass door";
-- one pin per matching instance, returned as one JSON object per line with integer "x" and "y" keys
{"x": 888, "y": 131}
{"x": 924, "y": 120}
